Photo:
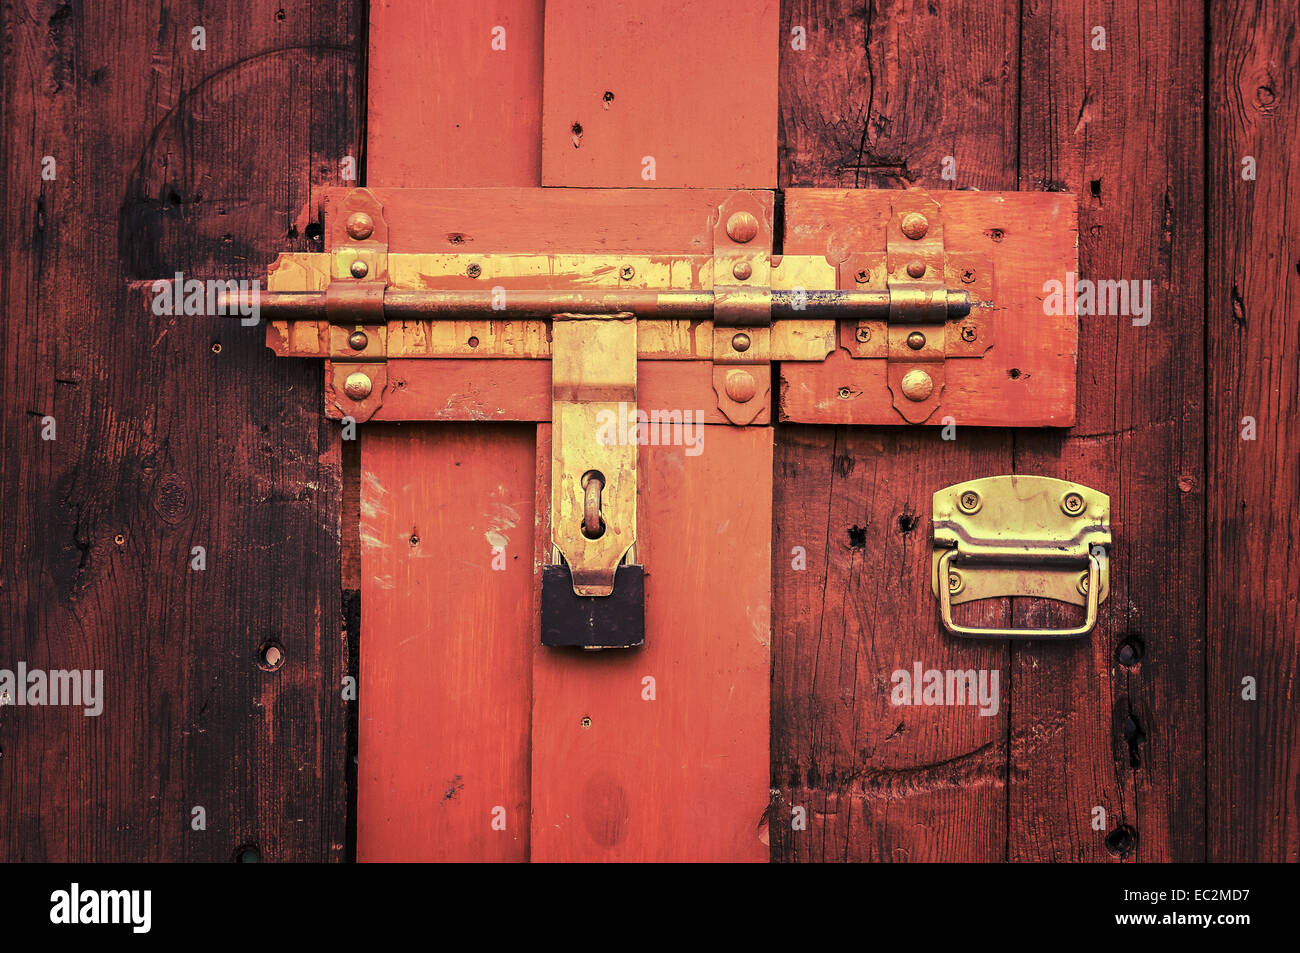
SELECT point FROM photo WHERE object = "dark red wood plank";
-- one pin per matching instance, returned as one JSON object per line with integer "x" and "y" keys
{"x": 1253, "y": 746}
{"x": 1093, "y": 724}
{"x": 172, "y": 433}
{"x": 880, "y": 782}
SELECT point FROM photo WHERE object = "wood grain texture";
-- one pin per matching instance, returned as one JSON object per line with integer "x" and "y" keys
{"x": 455, "y": 93}
{"x": 1122, "y": 127}
{"x": 1253, "y": 515}
{"x": 172, "y": 432}
{"x": 446, "y": 661}
{"x": 880, "y": 782}
{"x": 691, "y": 87}
{"x": 681, "y": 776}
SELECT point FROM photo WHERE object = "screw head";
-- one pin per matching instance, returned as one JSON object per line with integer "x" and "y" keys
{"x": 844, "y": 393}
{"x": 863, "y": 334}
{"x": 968, "y": 276}
{"x": 1072, "y": 504}
{"x": 968, "y": 332}
{"x": 358, "y": 340}
{"x": 915, "y": 225}
{"x": 1082, "y": 584}
{"x": 359, "y": 269}
{"x": 742, "y": 270}
{"x": 955, "y": 582}
{"x": 917, "y": 385}
{"x": 360, "y": 226}
{"x": 740, "y": 342}
{"x": 969, "y": 502}
{"x": 627, "y": 272}
{"x": 862, "y": 277}
{"x": 474, "y": 270}
{"x": 916, "y": 340}
{"x": 357, "y": 386}
{"x": 742, "y": 227}
{"x": 741, "y": 386}
{"x": 915, "y": 269}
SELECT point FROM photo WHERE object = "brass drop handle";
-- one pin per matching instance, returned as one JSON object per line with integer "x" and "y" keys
{"x": 945, "y": 609}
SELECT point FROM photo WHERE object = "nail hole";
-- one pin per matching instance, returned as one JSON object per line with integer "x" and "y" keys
{"x": 473, "y": 342}
{"x": 1095, "y": 188}
{"x": 313, "y": 231}
{"x": 608, "y": 97}
{"x": 1014, "y": 373}
{"x": 1129, "y": 652}
{"x": 247, "y": 854}
{"x": 415, "y": 540}
{"x": 577, "y": 129}
{"x": 270, "y": 656}
{"x": 907, "y": 522}
{"x": 857, "y": 537}
{"x": 1121, "y": 841}
{"x": 279, "y": 15}
{"x": 1134, "y": 735}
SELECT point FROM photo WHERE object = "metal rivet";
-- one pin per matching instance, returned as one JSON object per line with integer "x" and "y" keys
{"x": 627, "y": 273}
{"x": 968, "y": 332}
{"x": 916, "y": 340}
{"x": 742, "y": 270}
{"x": 916, "y": 269}
{"x": 740, "y": 342}
{"x": 474, "y": 270}
{"x": 357, "y": 386}
{"x": 915, "y": 225}
{"x": 969, "y": 502}
{"x": 863, "y": 334}
{"x": 917, "y": 385}
{"x": 359, "y": 269}
{"x": 1072, "y": 504}
{"x": 360, "y": 225}
{"x": 357, "y": 340}
{"x": 741, "y": 386}
{"x": 955, "y": 582}
{"x": 742, "y": 227}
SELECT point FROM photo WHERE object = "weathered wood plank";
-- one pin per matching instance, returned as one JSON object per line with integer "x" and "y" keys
{"x": 1093, "y": 725}
{"x": 880, "y": 782}
{"x": 1253, "y": 515}
{"x": 172, "y": 433}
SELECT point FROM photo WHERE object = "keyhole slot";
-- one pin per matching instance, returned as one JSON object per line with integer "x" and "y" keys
{"x": 593, "y": 524}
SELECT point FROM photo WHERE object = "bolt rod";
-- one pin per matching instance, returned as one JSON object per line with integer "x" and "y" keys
{"x": 521, "y": 304}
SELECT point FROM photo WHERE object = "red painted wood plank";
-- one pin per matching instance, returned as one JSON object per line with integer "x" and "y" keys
{"x": 455, "y": 93}
{"x": 446, "y": 537}
{"x": 682, "y": 777}
{"x": 683, "y": 90}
